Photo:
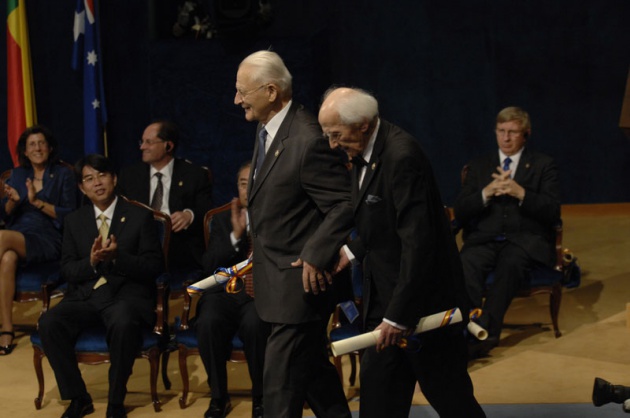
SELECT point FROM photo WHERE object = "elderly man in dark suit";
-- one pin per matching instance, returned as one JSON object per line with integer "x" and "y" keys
{"x": 111, "y": 256}
{"x": 173, "y": 186}
{"x": 508, "y": 205}
{"x": 300, "y": 213}
{"x": 410, "y": 263}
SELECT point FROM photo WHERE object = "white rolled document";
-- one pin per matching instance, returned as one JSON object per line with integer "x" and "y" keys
{"x": 476, "y": 331}
{"x": 222, "y": 276}
{"x": 369, "y": 339}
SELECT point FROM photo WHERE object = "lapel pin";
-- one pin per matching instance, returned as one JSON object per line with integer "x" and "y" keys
{"x": 181, "y": 183}
{"x": 527, "y": 165}
{"x": 122, "y": 219}
{"x": 51, "y": 175}
{"x": 373, "y": 166}
{"x": 277, "y": 153}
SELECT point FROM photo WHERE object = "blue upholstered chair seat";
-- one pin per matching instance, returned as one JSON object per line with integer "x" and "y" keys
{"x": 31, "y": 278}
{"x": 539, "y": 276}
{"x": 343, "y": 332}
{"x": 93, "y": 340}
{"x": 189, "y": 340}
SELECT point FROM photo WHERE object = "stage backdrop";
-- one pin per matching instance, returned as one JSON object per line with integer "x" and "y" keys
{"x": 441, "y": 70}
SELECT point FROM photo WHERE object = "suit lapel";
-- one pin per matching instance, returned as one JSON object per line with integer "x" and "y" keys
{"x": 89, "y": 222}
{"x": 119, "y": 220}
{"x": 373, "y": 165}
{"x": 273, "y": 153}
{"x": 523, "y": 169}
{"x": 177, "y": 182}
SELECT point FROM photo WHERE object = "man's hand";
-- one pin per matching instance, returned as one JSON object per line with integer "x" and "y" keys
{"x": 239, "y": 219}
{"x": 181, "y": 220}
{"x": 342, "y": 263}
{"x": 103, "y": 253}
{"x": 313, "y": 279}
{"x": 502, "y": 184}
{"x": 390, "y": 335}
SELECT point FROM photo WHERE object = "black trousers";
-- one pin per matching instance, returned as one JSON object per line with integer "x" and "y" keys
{"x": 297, "y": 369}
{"x": 388, "y": 378}
{"x": 219, "y": 317}
{"x": 511, "y": 266}
{"x": 60, "y": 327}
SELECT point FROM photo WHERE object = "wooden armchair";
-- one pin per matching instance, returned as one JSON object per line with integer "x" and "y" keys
{"x": 542, "y": 279}
{"x": 185, "y": 336}
{"x": 91, "y": 347}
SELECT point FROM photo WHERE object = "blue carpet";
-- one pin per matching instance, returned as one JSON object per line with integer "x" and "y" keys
{"x": 573, "y": 410}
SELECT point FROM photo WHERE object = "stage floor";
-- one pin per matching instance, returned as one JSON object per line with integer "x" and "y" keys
{"x": 529, "y": 367}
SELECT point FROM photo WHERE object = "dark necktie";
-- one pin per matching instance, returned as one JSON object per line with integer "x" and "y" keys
{"x": 262, "y": 138}
{"x": 359, "y": 163}
{"x": 506, "y": 164}
{"x": 158, "y": 194}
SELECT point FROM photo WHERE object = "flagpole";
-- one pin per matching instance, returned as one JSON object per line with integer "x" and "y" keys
{"x": 105, "y": 147}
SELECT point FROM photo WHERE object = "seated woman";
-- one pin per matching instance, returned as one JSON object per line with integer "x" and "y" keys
{"x": 37, "y": 196}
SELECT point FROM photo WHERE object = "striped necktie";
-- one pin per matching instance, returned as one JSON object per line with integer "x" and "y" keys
{"x": 158, "y": 194}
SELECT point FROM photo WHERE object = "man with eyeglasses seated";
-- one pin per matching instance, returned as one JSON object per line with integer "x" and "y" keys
{"x": 111, "y": 255}
{"x": 508, "y": 205}
{"x": 173, "y": 186}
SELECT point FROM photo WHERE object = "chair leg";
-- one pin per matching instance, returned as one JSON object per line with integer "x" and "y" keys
{"x": 38, "y": 355}
{"x": 554, "y": 307}
{"x": 154, "y": 362}
{"x": 183, "y": 370}
{"x": 165, "y": 379}
{"x": 337, "y": 361}
{"x": 353, "y": 368}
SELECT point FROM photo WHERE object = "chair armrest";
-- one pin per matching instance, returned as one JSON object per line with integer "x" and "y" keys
{"x": 558, "y": 249}
{"x": 336, "y": 318}
{"x": 161, "y": 306}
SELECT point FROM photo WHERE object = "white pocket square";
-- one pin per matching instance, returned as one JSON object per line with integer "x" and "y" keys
{"x": 371, "y": 199}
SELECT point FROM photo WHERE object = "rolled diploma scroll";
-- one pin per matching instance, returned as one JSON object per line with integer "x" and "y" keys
{"x": 369, "y": 339}
{"x": 476, "y": 331}
{"x": 215, "y": 279}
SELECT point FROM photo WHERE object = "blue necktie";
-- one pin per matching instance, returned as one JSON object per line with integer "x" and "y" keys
{"x": 506, "y": 164}
{"x": 262, "y": 137}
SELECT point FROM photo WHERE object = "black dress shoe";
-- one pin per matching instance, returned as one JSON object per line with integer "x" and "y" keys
{"x": 481, "y": 348}
{"x": 116, "y": 411}
{"x": 257, "y": 408}
{"x": 79, "y": 407}
{"x": 219, "y": 408}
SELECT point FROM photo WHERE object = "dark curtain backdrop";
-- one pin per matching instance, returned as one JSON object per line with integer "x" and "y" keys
{"x": 440, "y": 69}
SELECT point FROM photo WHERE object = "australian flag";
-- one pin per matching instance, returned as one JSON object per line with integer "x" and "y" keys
{"x": 86, "y": 56}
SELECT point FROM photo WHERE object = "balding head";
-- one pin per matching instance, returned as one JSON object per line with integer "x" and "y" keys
{"x": 348, "y": 117}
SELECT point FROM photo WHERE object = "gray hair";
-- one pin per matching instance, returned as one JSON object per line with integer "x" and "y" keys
{"x": 355, "y": 107}
{"x": 269, "y": 68}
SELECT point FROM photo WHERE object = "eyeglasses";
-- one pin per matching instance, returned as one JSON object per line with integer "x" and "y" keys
{"x": 244, "y": 94}
{"x": 89, "y": 179}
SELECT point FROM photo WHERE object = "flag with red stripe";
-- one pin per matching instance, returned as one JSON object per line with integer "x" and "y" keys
{"x": 20, "y": 91}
